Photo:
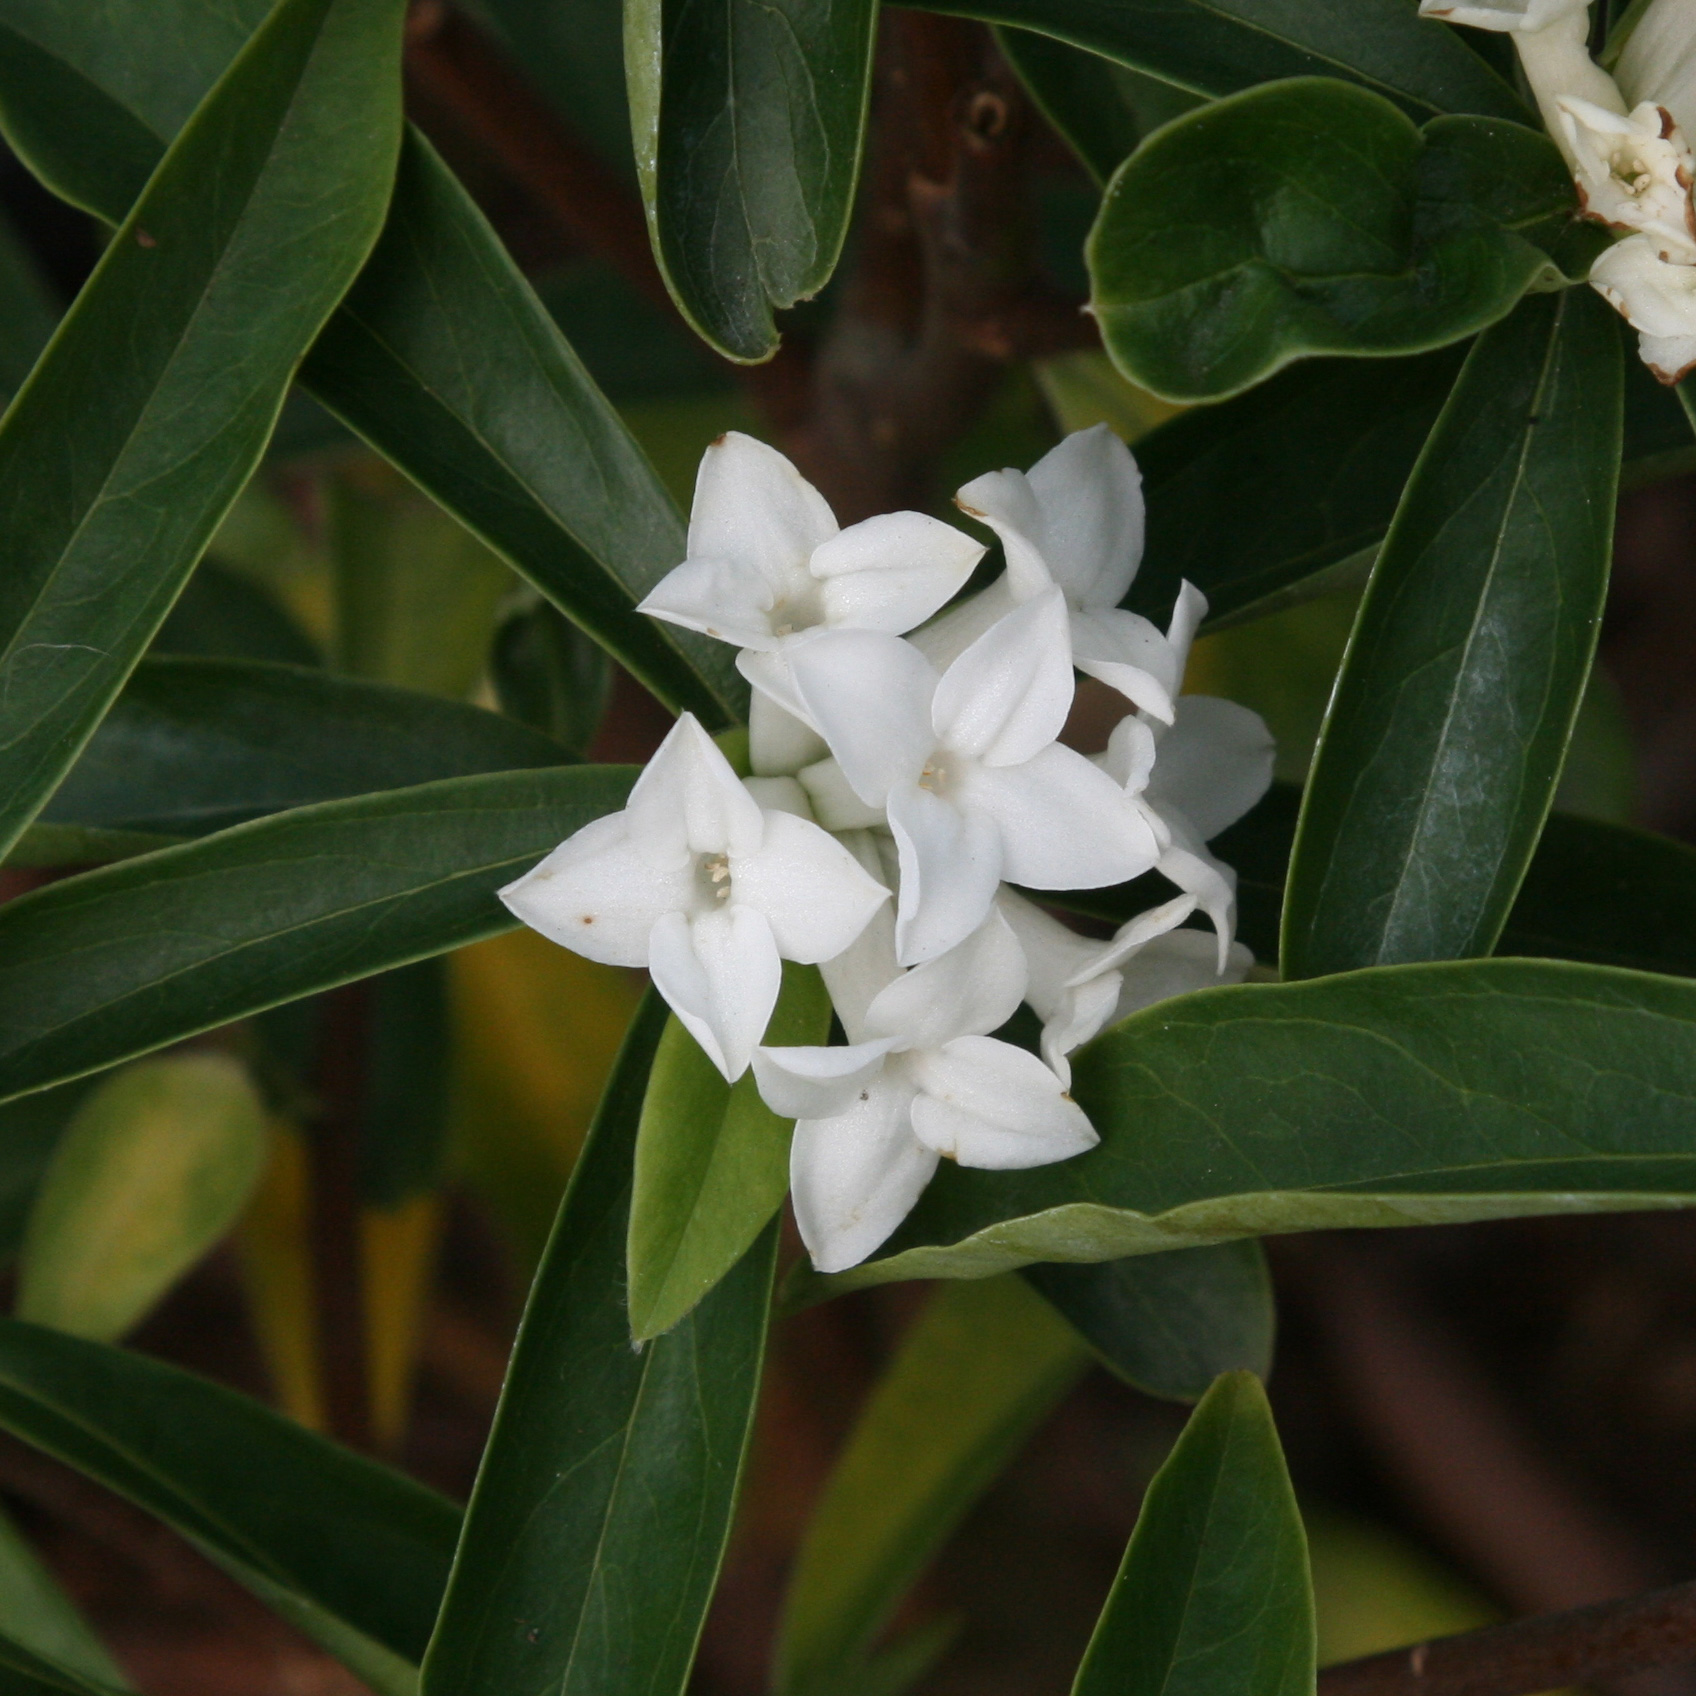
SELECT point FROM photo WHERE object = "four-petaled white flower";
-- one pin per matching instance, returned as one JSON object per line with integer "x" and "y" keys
{"x": 1076, "y": 520}
{"x": 697, "y": 882}
{"x": 967, "y": 768}
{"x": 920, "y": 1078}
{"x": 1634, "y": 172}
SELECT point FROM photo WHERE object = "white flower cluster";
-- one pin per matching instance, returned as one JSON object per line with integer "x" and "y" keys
{"x": 900, "y": 784}
{"x": 1625, "y": 139}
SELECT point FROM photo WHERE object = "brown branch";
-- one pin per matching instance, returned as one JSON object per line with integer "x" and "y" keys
{"x": 1604, "y": 1641}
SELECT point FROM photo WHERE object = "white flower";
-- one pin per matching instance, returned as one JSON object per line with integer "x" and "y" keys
{"x": 1191, "y": 781}
{"x": 1076, "y": 519}
{"x": 697, "y": 882}
{"x": 768, "y": 561}
{"x": 1656, "y": 298}
{"x": 1658, "y": 61}
{"x": 967, "y": 768}
{"x": 921, "y": 1078}
{"x": 1633, "y": 172}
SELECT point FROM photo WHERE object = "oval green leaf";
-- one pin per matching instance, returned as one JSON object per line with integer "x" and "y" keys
{"x": 152, "y": 1170}
{"x": 1449, "y": 722}
{"x": 137, "y": 428}
{"x": 351, "y": 1553}
{"x": 748, "y": 120}
{"x": 602, "y": 1507}
{"x": 194, "y": 746}
{"x": 1170, "y": 1323}
{"x": 1401, "y": 1095}
{"x": 112, "y": 964}
{"x": 1214, "y": 1592}
{"x": 1312, "y": 217}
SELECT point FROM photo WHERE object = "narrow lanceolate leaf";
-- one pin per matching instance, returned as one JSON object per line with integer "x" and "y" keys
{"x": 142, "y": 421}
{"x": 601, "y": 1510}
{"x": 1449, "y": 723}
{"x": 1214, "y": 1592}
{"x": 111, "y": 964}
{"x": 443, "y": 358}
{"x": 350, "y": 1552}
{"x": 193, "y": 746}
{"x": 983, "y": 1366}
{"x": 1171, "y": 1323}
{"x": 1401, "y": 1095}
{"x": 1217, "y": 47}
{"x": 747, "y": 119}
{"x": 28, "y": 312}
{"x": 24, "y": 1671}
{"x": 1312, "y": 217}
{"x": 36, "y": 1615}
{"x": 712, "y": 1162}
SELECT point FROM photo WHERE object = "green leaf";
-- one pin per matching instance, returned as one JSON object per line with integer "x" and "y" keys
{"x": 548, "y": 674}
{"x": 748, "y": 120}
{"x": 152, "y": 1170}
{"x": 24, "y": 1672}
{"x": 712, "y": 1163}
{"x": 1213, "y": 1593}
{"x": 442, "y": 358}
{"x": 603, "y": 1504}
{"x": 1312, "y": 217}
{"x": 29, "y": 1132}
{"x": 222, "y": 615}
{"x": 1400, "y": 1095}
{"x": 1218, "y": 47}
{"x": 109, "y": 965}
{"x": 979, "y": 1370}
{"x": 37, "y": 1615}
{"x": 351, "y": 1553}
{"x": 28, "y": 311}
{"x": 1450, "y": 719}
{"x": 138, "y": 427}
{"x": 193, "y": 746}
{"x": 1171, "y": 1323}
{"x": 1078, "y": 93}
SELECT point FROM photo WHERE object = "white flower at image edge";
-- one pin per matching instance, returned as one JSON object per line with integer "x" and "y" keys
{"x": 920, "y": 1079}
{"x": 1076, "y": 521}
{"x": 967, "y": 768}
{"x": 709, "y": 891}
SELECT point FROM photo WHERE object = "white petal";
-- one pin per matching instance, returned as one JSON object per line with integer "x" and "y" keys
{"x": 769, "y": 673}
{"x": 726, "y": 598}
{"x": 892, "y": 572}
{"x": 1176, "y": 964}
{"x": 1008, "y": 694}
{"x": 950, "y": 634}
{"x": 779, "y": 743}
{"x": 753, "y": 507}
{"x": 1633, "y": 171}
{"x": 950, "y": 868}
{"x": 1213, "y": 764}
{"x": 1055, "y": 957}
{"x": 1077, "y": 1016}
{"x": 1187, "y": 863}
{"x": 857, "y": 975}
{"x": 1669, "y": 357}
{"x": 1090, "y": 492}
{"x": 1502, "y": 14}
{"x": 1006, "y": 502}
{"x": 602, "y": 891}
{"x": 779, "y": 795}
{"x": 987, "y": 1103}
{"x": 1127, "y": 653}
{"x": 834, "y": 804}
{"x": 817, "y": 1083}
{"x": 969, "y": 991}
{"x": 1555, "y": 56}
{"x": 855, "y": 1177}
{"x": 815, "y": 894}
{"x": 1064, "y": 823}
{"x": 1136, "y": 934}
{"x": 689, "y": 796}
{"x": 1658, "y": 62}
{"x": 1130, "y": 754}
{"x": 1188, "y": 611}
{"x": 869, "y": 694}
{"x": 721, "y": 974}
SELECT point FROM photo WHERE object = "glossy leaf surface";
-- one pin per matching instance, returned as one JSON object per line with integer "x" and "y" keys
{"x": 980, "y": 1368}
{"x": 193, "y": 746}
{"x": 1449, "y": 723}
{"x": 28, "y": 312}
{"x": 1217, "y": 47}
{"x": 1170, "y": 1323}
{"x": 747, "y": 120}
{"x": 1214, "y": 1592}
{"x": 602, "y": 1508}
{"x": 1312, "y": 217}
{"x": 1078, "y": 94}
{"x": 119, "y": 961}
{"x": 353, "y": 1554}
{"x": 1397, "y": 1096}
{"x": 152, "y": 1170}
{"x": 140, "y": 425}
{"x": 712, "y": 1162}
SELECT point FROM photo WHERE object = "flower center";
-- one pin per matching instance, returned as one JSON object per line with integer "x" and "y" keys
{"x": 939, "y": 773}
{"x": 712, "y": 879}
{"x": 799, "y": 610}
